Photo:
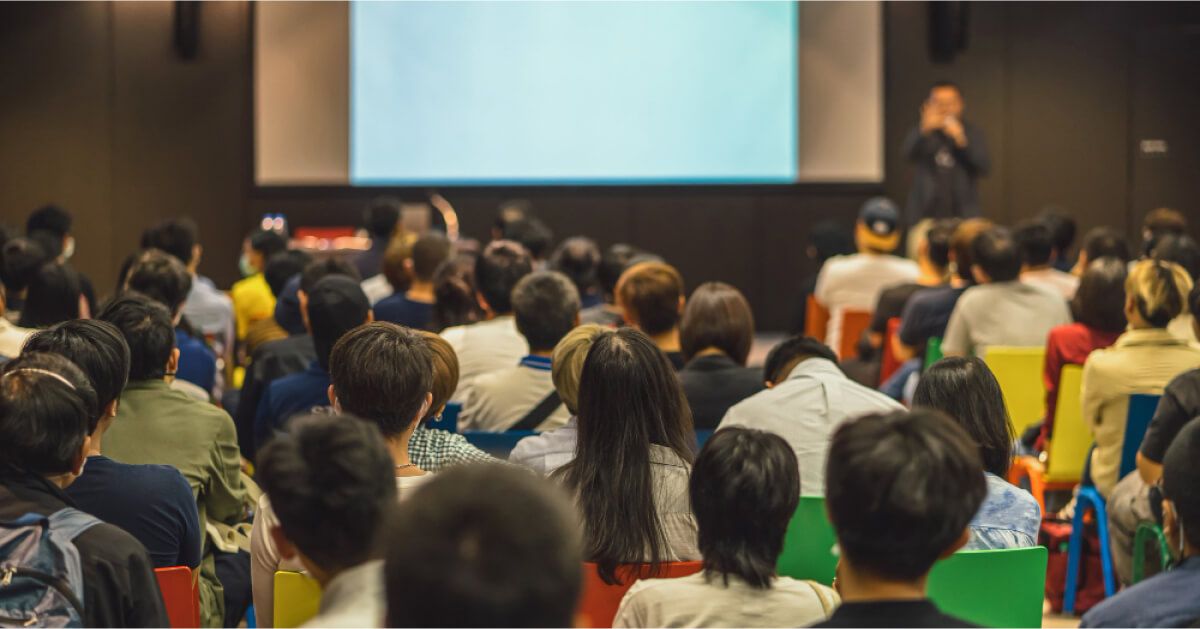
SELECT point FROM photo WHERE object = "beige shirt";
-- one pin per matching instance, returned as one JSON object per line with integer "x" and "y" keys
{"x": 670, "y": 475}
{"x": 1141, "y": 361}
{"x": 498, "y": 400}
{"x": 484, "y": 347}
{"x": 854, "y": 282}
{"x": 12, "y": 338}
{"x": 696, "y": 601}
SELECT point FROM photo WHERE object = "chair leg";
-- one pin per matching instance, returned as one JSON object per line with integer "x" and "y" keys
{"x": 1074, "y": 555}
{"x": 1110, "y": 581}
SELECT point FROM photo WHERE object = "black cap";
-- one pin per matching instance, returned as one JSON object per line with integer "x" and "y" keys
{"x": 880, "y": 216}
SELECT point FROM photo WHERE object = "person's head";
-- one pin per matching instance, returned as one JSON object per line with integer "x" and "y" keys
{"x": 546, "y": 307}
{"x": 900, "y": 490}
{"x": 100, "y": 352}
{"x": 510, "y": 211}
{"x": 1103, "y": 242}
{"x": 946, "y": 98}
{"x": 283, "y": 266}
{"x": 381, "y": 218}
{"x": 22, "y": 260}
{"x": 428, "y": 253}
{"x": 532, "y": 234}
{"x": 331, "y": 483}
{"x": 1181, "y": 250}
{"x": 1181, "y": 490}
{"x": 629, "y": 400}
{"x": 784, "y": 357}
{"x": 258, "y": 247}
{"x": 935, "y": 246}
{"x": 967, "y": 392}
{"x": 54, "y": 223}
{"x": 1062, "y": 230}
{"x": 497, "y": 270}
{"x": 567, "y": 362}
{"x": 828, "y": 238}
{"x": 651, "y": 296}
{"x": 445, "y": 372}
{"x": 1161, "y": 222}
{"x": 1035, "y": 244}
{"x": 454, "y": 295}
{"x": 962, "y": 244}
{"x": 878, "y": 226}
{"x": 51, "y": 297}
{"x": 717, "y": 316}
{"x": 579, "y": 259}
{"x": 1155, "y": 293}
{"x": 995, "y": 257}
{"x": 383, "y": 373}
{"x": 148, "y": 331}
{"x": 336, "y": 305}
{"x": 161, "y": 277}
{"x": 176, "y": 236}
{"x": 745, "y": 486}
{"x": 46, "y": 407}
{"x": 1099, "y": 302}
{"x": 613, "y": 263}
{"x": 483, "y": 546}
{"x": 320, "y": 269}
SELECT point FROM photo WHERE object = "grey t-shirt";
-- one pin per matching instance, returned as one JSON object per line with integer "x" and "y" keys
{"x": 1003, "y": 313}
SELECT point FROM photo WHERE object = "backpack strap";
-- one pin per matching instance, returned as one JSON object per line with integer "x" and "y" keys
{"x": 66, "y": 524}
{"x": 539, "y": 413}
{"x": 826, "y": 604}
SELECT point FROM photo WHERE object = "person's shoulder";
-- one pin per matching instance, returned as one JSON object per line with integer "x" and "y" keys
{"x": 1185, "y": 385}
{"x": 666, "y": 587}
{"x": 110, "y": 544}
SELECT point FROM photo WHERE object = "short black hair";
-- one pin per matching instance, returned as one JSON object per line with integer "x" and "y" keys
{"x": 1180, "y": 249}
{"x": 1103, "y": 242}
{"x": 46, "y": 406}
{"x": 146, "y": 326}
{"x": 532, "y": 234}
{"x": 613, "y": 263}
{"x": 497, "y": 270}
{"x": 483, "y": 546}
{"x": 428, "y": 253}
{"x": 161, "y": 277}
{"x": 320, "y": 269}
{"x": 268, "y": 242}
{"x": 1099, "y": 301}
{"x": 97, "y": 348}
{"x": 786, "y": 355}
{"x": 382, "y": 372}
{"x": 52, "y": 296}
{"x": 900, "y": 489}
{"x": 938, "y": 238}
{"x": 579, "y": 259}
{"x": 22, "y": 259}
{"x": 996, "y": 253}
{"x": 966, "y": 391}
{"x": 50, "y": 218}
{"x": 282, "y": 267}
{"x": 331, "y": 483}
{"x": 546, "y": 307}
{"x": 381, "y": 216}
{"x": 1181, "y": 479}
{"x": 1062, "y": 228}
{"x": 1035, "y": 243}
{"x": 336, "y": 305}
{"x": 744, "y": 488}
{"x": 176, "y": 236}
{"x": 49, "y": 241}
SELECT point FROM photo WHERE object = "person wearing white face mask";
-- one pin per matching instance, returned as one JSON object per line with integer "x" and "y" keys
{"x": 50, "y": 226}
{"x": 252, "y": 296}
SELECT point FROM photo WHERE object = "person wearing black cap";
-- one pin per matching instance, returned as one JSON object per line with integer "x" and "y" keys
{"x": 334, "y": 306}
{"x": 854, "y": 282}
{"x": 1168, "y": 599}
{"x": 948, "y": 155}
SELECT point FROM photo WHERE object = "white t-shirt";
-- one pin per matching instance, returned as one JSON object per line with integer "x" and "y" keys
{"x": 854, "y": 282}
{"x": 484, "y": 347}
{"x": 695, "y": 601}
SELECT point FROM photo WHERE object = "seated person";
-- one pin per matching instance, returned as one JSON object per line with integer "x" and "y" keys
{"x": 967, "y": 392}
{"x": 381, "y": 220}
{"x": 522, "y": 397}
{"x": 1034, "y": 240}
{"x": 151, "y": 502}
{"x": 1001, "y": 310}
{"x": 1169, "y": 599}
{"x": 331, "y": 484}
{"x": 12, "y": 337}
{"x": 529, "y": 576}
{"x": 716, "y": 333}
{"x": 613, "y": 263}
{"x": 901, "y": 491}
{"x": 252, "y": 298}
{"x": 807, "y": 396}
{"x": 1184, "y": 251}
{"x": 579, "y": 259}
{"x": 1101, "y": 242}
{"x": 455, "y": 299}
{"x": 413, "y": 307}
{"x": 52, "y": 226}
{"x": 854, "y": 282}
{"x": 745, "y": 487}
{"x": 46, "y": 404}
{"x": 493, "y": 343}
{"x": 933, "y": 269}
{"x": 335, "y": 306}
{"x": 283, "y": 275}
{"x": 1062, "y": 235}
{"x": 650, "y": 295}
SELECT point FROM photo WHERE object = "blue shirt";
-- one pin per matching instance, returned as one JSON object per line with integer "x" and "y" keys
{"x": 153, "y": 503}
{"x": 1168, "y": 599}
{"x": 1008, "y": 518}
{"x": 401, "y": 310}
{"x": 288, "y": 396}
{"x": 197, "y": 363}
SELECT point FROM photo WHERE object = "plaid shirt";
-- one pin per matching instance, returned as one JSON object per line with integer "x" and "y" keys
{"x": 434, "y": 450}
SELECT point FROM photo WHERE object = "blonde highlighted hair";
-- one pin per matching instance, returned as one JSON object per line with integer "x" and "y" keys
{"x": 567, "y": 362}
{"x": 1159, "y": 290}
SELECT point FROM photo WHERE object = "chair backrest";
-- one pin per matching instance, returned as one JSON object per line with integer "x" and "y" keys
{"x": 992, "y": 588}
{"x": 933, "y": 351}
{"x": 854, "y": 323}
{"x": 1071, "y": 440}
{"x": 599, "y": 602}
{"x": 297, "y": 599}
{"x": 1141, "y": 411}
{"x": 702, "y": 437}
{"x": 497, "y": 444}
{"x": 449, "y": 420}
{"x": 1019, "y": 372}
{"x": 816, "y": 319}
{"x": 180, "y": 594}
{"x": 888, "y": 365}
{"x": 808, "y": 547}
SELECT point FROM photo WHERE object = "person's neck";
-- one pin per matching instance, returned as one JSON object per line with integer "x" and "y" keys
{"x": 94, "y": 447}
{"x": 420, "y": 291}
{"x": 857, "y": 586}
{"x": 928, "y": 274}
{"x": 667, "y": 341}
{"x": 543, "y": 353}
{"x": 398, "y": 447}
{"x": 710, "y": 351}
{"x": 1033, "y": 269}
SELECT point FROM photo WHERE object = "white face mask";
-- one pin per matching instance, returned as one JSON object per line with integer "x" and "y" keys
{"x": 245, "y": 267}
{"x": 68, "y": 248}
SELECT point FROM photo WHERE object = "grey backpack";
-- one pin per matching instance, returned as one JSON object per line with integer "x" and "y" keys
{"x": 41, "y": 579}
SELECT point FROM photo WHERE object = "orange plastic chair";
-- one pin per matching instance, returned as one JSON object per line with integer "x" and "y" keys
{"x": 181, "y": 595}
{"x": 816, "y": 319}
{"x": 599, "y": 603}
{"x": 889, "y": 364}
{"x": 854, "y": 323}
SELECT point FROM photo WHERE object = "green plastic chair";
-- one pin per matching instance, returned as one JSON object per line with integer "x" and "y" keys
{"x": 808, "y": 548}
{"x": 992, "y": 588}
{"x": 1146, "y": 531}
{"x": 933, "y": 351}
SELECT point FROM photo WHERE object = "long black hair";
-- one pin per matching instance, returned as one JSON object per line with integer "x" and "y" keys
{"x": 629, "y": 399}
{"x": 966, "y": 390}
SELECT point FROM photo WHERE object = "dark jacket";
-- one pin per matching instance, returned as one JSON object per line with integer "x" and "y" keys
{"x": 271, "y": 361}
{"x": 713, "y": 383}
{"x": 944, "y": 186}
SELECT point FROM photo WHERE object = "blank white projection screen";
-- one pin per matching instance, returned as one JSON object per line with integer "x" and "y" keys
{"x": 567, "y": 93}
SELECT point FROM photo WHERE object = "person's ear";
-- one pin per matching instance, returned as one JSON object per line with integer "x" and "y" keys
{"x": 957, "y": 545}
{"x": 682, "y": 303}
{"x": 81, "y": 457}
{"x": 978, "y": 273}
{"x": 1170, "y": 522}
{"x": 1131, "y": 307}
{"x": 770, "y": 385}
{"x": 197, "y": 251}
{"x": 408, "y": 266}
{"x": 287, "y": 550}
{"x": 578, "y": 320}
{"x": 426, "y": 404}
{"x": 173, "y": 362}
{"x": 332, "y": 395}
{"x": 112, "y": 408}
{"x": 370, "y": 317}
{"x": 483, "y": 304}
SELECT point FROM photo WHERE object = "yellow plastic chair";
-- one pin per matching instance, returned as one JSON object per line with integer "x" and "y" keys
{"x": 1019, "y": 372}
{"x": 297, "y": 599}
{"x": 1068, "y": 447}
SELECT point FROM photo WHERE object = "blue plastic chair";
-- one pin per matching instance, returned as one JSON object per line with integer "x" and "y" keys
{"x": 702, "y": 437}
{"x": 449, "y": 419}
{"x": 1141, "y": 410}
{"x": 497, "y": 444}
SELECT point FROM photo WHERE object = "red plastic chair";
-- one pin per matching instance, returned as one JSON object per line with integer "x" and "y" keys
{"x": 599, "y": 603}
{"x": 181, "y": 595}
{"x": 889, "y": 364}
{"x": 854, "y": 323}
{"x": 816, "y": 319}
